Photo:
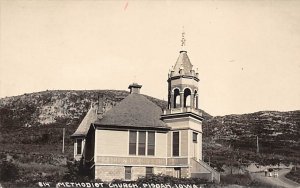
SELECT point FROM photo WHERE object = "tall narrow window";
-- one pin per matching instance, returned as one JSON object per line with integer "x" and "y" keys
{"x": 142, "y": 143}
{"x": 79, "y": 146}
{"x": 175, "y": 143}
{"x": 195, "y": 137}
{"x": 127, "y": 172}
{"x": 132, "y": 143}
{"x": 149, "y": 171}
{"x": 151, "y": 143}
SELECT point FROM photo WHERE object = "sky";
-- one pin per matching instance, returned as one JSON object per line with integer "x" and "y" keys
{"x": 247, "y": 52}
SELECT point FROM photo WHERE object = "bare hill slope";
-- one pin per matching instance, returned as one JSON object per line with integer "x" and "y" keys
{"x": 30, "y": 120}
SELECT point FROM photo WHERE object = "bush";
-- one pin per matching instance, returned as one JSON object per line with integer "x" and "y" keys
{"x": 77, "y": 171}
{"x": 243, "y": 180}
{"x": 239, "y": 179}
{"x": 8, "y": 171}
{"x": 294, "y": 174}
{"x": 164, "y": 179}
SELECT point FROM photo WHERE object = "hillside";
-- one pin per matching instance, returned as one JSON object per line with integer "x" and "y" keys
{"x": 278, "y": 132}
{"x": 48, "y": 107}
{"x": 31, "y": 127}
{"x": 271, "y": 127}
{"x": 38, "y": 118}
{"x": 236, "y": 135}
{"x": 31, "y": 132}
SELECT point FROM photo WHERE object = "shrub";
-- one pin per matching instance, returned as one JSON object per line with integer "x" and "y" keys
{"x": 164, "y": 179}
{"x": 294, "y": 174}
{"x": 239, "y": 179}
{"x": 8, "y": 171}
{"x": 77, "y": 171}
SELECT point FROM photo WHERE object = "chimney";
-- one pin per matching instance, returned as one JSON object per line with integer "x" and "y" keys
{"x": 134, "y": 88}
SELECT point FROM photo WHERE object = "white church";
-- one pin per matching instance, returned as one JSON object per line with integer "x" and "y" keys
{"x": 137, "y": 138}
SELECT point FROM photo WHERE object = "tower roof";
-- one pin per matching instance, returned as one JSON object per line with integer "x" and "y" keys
{"x": 183, "y": 63}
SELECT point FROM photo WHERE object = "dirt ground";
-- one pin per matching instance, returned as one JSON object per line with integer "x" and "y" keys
{"x": 280, "y": 181}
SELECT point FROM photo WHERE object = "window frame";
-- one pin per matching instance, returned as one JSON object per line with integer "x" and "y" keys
{"x": 177, "y": 154}
{"x": 142, "y": 143}
{"x": 151, "y": 144}
{"x": 147, "y": 173}
{"x": 133, "y": 144}
{"x": 79, "y": 146}
{"x": 195, "y": 135}
{"x": 128, "y": 174}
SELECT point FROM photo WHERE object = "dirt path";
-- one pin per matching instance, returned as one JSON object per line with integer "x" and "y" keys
{"x": 281, "y": 181}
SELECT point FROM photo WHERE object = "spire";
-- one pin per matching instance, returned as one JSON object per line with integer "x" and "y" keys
{"x": 183, "y": 37}
{"x": 183, "y": 65}
{"x": 183, "y": 40}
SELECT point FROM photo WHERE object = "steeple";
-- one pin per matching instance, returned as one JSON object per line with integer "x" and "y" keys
{"x": 183, "y": 82}
{"x": 183, "y": 65}
{"x": 183, "y": 114}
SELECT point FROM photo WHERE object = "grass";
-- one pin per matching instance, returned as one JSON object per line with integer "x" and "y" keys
{"x": 242, "y": 180}
{"x": 35, "y": 163}
{"x": 294, "y": 174}
{"x": 239, "y": 179}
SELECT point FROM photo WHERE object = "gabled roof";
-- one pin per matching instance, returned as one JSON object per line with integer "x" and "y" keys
{"x": 133, "y": 111}
{"x": 183, "y": 62}
{"x": 85, "y": 124}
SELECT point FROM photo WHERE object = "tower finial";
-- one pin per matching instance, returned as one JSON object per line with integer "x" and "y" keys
{"x": 182, "y": 37}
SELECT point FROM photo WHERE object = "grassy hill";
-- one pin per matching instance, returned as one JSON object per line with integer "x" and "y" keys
{"x": 236, "y": 136}
{"x": 34, "y": 122}
{"x": 31, "y": 132}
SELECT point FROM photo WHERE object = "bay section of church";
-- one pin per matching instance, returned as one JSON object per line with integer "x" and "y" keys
{"x": 137, "y": 138}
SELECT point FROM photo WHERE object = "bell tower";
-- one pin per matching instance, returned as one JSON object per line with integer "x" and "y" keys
{"x": 183, "y": 84}
{"x": 183, "y": 115}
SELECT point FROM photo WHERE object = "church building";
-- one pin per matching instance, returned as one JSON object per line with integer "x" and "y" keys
{"x": 137, "y": 138}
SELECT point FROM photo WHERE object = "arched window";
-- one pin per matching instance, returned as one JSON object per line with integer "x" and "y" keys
{"x": 176, "y": 98}
{"x": 187, "y": 97}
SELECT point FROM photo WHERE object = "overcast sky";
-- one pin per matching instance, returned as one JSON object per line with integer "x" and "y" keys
{"x": 247, "y": 52}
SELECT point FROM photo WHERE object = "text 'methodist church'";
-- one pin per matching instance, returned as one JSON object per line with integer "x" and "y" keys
{"x": 137, "y": 138}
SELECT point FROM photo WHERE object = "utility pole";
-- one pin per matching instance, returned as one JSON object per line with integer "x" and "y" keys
{"x": 257, "y": 146}
{"x": 63, "y": 146}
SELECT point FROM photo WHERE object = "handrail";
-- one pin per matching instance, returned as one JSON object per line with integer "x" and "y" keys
{"x": 206, "y": 166}
{"x": 216, "y": 174}
{"x": 181, "y": 110}
{"x": 91, "y": 159}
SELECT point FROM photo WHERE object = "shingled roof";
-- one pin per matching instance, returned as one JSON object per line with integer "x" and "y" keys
{"x": 134, "y": 111}
{"x": 183, "y": 62}
{"x": 85, "y": 124}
